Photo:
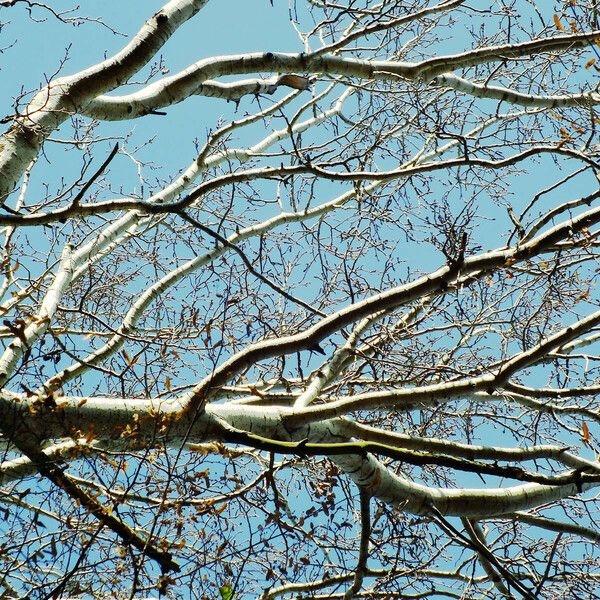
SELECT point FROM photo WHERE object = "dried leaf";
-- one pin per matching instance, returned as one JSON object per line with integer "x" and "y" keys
{"x": 294, "y": 81}
{"x": 168, "y": 383}
{"x": 558, "y": 24}
{"x": 585, "y": 433}
{"x": 130, "y": 362}
{"x": 589, "y": 63}
{"x": 90, "y": 435}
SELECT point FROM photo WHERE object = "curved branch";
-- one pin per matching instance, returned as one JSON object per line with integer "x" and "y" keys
{"x": 176, "y": 88}
{"x": 506, "y": 95}
{"x": 61, "y": 97}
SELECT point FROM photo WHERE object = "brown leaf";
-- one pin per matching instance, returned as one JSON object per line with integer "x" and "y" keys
{"x": 558, "y": 24}
{"x": 90, "y": 435}
{"x": 585, "y": 433}
{"x": 294, "y": 81}
{"x": 130, "y": 362}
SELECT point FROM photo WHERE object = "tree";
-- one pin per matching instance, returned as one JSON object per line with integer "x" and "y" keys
{"x": 348, "y": 347}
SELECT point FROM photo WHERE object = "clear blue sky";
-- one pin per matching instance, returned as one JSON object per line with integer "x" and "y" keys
{"x": 223, "y": 27}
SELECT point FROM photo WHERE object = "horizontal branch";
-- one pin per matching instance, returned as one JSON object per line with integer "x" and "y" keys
{"x": 470, "y": 451}
{"x": 506, "y": 95}
{"x": 176, "y": 88}
{"x": 559, "y": 526}
{"x": 115, "y": 108}
{"x": 138, "y": 421}
{"x": 306, "y": 448}
{"x": 282, "y": 172}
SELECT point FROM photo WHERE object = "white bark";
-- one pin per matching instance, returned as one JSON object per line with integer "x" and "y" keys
{"x": 506, "y": 95}
{"x": 63, "y": 96}
{"x": 407, "y": 364}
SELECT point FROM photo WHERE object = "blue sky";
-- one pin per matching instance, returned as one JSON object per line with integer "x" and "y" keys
{"x": 41, "y": 46}
{"x": 223, "y": 27}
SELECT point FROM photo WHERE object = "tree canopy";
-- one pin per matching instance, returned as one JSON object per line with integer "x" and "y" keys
{"x": 309, "y": 322}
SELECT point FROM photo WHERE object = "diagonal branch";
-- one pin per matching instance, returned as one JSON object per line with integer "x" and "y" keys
{"x": 434, "y": 283}
{"x": 477, "y": 536}
{"x": 49, "y": 469}
{"x": 61, "y": 97}
{"x": 476, "y": 544}
{"x": 26, "y": 335}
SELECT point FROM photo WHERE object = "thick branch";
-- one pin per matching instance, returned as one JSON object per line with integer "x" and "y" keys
{"x": 176, "y": 88}
{"x": 61, "y": 97}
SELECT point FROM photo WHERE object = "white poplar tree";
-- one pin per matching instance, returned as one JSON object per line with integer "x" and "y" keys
{"x": 348, "y": 348}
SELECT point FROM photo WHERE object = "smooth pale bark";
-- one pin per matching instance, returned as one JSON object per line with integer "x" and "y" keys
{"x": 182, "y": 85}
{"x": 63, "y": 96}
{"x": 127, "y": 423}
{"x": 72, "y": 94}
{"x": 506, "y": 95}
